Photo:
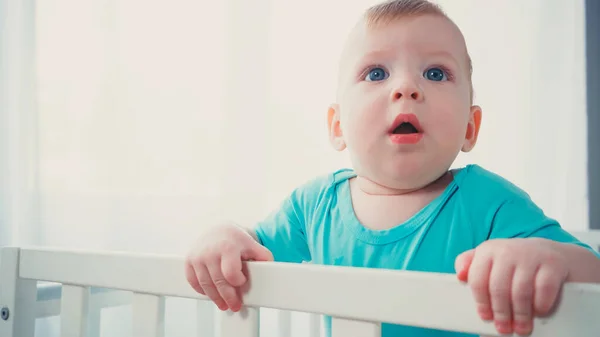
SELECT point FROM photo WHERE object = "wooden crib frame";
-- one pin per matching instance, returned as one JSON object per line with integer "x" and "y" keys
{"x": 358, "y": 299}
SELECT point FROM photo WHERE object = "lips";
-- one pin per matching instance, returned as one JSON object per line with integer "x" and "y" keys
{"x": 406, "y": 129}
{"x": 406, "y": 124}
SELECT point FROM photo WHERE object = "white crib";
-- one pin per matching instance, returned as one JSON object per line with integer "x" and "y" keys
{"x": 358, "y": 299}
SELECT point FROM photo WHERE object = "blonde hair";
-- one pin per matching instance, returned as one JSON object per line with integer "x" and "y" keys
{"x": 391, "y": 10}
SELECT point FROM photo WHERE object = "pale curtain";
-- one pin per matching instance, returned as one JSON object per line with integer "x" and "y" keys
{"x": 134, "y": 124}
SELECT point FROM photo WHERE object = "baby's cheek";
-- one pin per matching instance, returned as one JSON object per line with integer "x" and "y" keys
{"x": 360, "y": 135}
{"x": 450, "y": 122}
{"x": 366, "y": 119}
{"x": 449, "y": 133}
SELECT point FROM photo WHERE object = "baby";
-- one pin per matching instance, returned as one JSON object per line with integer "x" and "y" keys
{"x": 403, "y": 112}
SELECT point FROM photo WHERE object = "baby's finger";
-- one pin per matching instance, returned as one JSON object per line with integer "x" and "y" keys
{"x": 522, "y": 299}
{"x": 462, "y": 264}
{"x": 231, "y": 265}
{"x": 226, "y": 291}
{"x": 190, "y": 275}
{"x": 210, "y": 290}
{"x": 257, "y": 252}
{"x": 500, "y": 294}
{"x": 547, "y": 286}
{"x": 478, "y": 279}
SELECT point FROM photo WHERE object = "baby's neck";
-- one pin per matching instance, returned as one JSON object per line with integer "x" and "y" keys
{"x": 379, "y": 208}
{"x": 370, "y": 187}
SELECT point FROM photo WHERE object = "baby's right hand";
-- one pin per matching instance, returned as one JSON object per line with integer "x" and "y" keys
{"x": 214, "y": 265}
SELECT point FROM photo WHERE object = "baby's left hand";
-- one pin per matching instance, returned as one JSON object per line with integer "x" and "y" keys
{"x": 513, "y": 280}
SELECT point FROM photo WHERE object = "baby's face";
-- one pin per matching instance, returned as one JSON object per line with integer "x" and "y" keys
{"x": 413, "y": 70}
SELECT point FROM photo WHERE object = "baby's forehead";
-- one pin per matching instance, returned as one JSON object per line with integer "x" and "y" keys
{"x": 424, "y": 34}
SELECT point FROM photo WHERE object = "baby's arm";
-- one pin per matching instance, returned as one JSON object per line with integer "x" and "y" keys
{"x": 584, "y": 265}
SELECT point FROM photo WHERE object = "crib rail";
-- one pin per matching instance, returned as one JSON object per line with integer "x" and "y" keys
{"x": 358, "y": 299}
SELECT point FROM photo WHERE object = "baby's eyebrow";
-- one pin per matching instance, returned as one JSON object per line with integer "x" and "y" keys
{"x": 374, "y": 54}
{"x": 444, "y": 54}
{"x": 377, "y": 53}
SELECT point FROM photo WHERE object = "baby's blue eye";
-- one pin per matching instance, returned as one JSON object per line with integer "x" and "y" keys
{"x": 376, "y": 74}
{"x": 435, "y": 74}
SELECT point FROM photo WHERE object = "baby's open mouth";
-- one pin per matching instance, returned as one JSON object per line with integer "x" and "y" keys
{"x": 405, "y": 129}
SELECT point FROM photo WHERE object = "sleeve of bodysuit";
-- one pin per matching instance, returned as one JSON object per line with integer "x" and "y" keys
{"x": 283, "y": 231}
{"x": 520, "y": 217}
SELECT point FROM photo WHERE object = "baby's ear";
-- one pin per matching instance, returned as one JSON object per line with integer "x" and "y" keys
{"x": 336, "y": 137}
{"x": 472, "y": 129}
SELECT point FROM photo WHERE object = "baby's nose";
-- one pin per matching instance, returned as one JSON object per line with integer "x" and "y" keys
{"x": 407, "y": 92}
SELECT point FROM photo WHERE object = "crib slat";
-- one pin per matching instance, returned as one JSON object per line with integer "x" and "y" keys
{"x": 314, "y": 325}
{"x": 148, "y": 315}
{"x": 74, "y": 308}
{"x": 244, "y": 323}
{"x": 284, "y": 323}
{"x": 94, "y": 318}
{"x": 206, "y": 319}
{"x": 343, "y": 327}
{"x": 17, "y": 297}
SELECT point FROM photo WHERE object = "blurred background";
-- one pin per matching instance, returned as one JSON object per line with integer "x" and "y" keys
{"x": 133, "y": 125}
